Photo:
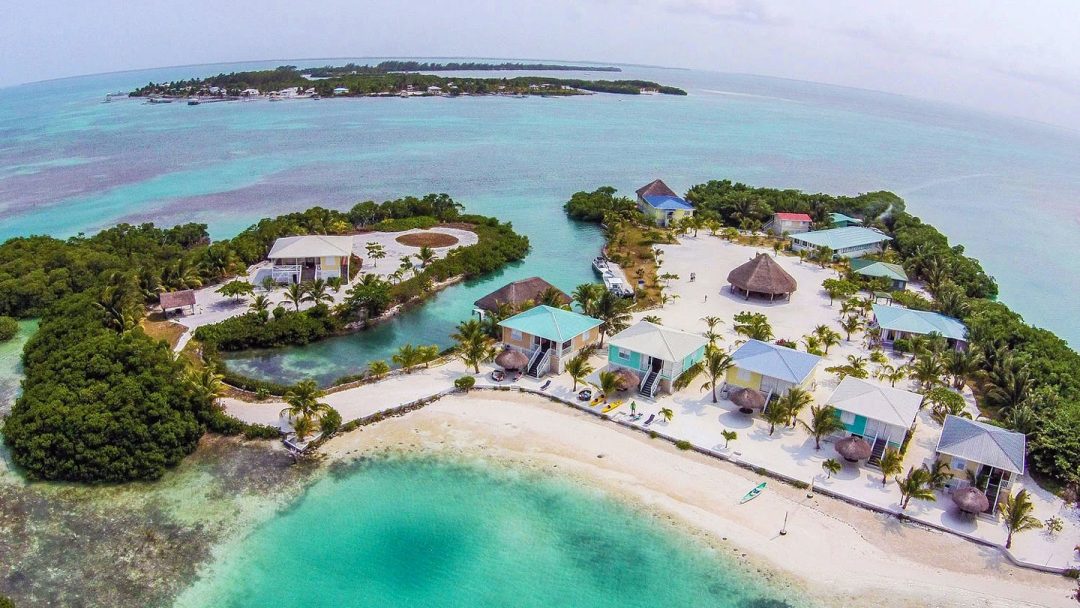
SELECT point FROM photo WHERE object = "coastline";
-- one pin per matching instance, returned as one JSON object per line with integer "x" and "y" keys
{"x": 901, "y": 563}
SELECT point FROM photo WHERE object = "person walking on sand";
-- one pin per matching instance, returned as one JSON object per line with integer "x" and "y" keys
{"x": 706, "y": 298}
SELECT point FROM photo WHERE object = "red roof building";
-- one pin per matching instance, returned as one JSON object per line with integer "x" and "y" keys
{"x": 789, "y": 223}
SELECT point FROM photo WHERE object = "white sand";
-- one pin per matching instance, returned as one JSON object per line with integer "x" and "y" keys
{"x": 843, "y": 555}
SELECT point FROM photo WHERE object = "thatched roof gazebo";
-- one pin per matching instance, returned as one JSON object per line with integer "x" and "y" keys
{"x": 971, "y": 500}
{"x": 511, "y": 359}
{"x": 748, "y": 399}
{"x": 853, "y": 448}
{"x": 762, "y": 275}
{"x": 177, "y": 300}
{"x": 520, "y": 292}
{"x": 627, "y": 379}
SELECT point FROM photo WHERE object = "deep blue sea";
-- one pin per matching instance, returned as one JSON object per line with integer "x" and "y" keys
{"x": 1004, "y": 188}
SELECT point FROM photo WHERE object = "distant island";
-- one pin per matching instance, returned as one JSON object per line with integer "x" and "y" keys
{"x": 391, "y": 78}
{"x": 454, "y": 66}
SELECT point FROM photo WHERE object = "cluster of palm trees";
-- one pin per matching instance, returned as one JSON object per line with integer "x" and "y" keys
{"x": 474, "y": 344}
{"x": 304, "y": 408}
{"x": 597, "y": 302}
{"x": 317, "y": 291}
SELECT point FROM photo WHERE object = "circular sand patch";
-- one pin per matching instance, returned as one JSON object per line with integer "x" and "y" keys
{"x": 428, "y": 239}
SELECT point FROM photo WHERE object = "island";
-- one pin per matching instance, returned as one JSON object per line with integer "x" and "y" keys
{"x": 388, "y": 79}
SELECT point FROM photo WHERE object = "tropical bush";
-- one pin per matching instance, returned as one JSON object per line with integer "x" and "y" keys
{"x": 465, "y": 383}
{"x": 9, "y": 328}
{"x": 593, "y": 206}
{"x": 330, "y": 421}
{"x": 251, "y": 331}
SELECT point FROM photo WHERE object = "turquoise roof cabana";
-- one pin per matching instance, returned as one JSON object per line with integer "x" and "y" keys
{"x": 874, "y": 269}
{"x": 548, "y": 336}
{"x": 898, "y": 322}
{"x": 848, "y": 242}
{"x": 839, "y": 220}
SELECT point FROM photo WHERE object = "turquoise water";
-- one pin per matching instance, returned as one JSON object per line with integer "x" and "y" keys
{"x": 68, "y": 163}
{"x": 428, "y": 533}
{"x": 11, "y": 364}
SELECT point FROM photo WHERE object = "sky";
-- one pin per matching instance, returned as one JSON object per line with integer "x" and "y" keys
{"x": 1020, "y": 58}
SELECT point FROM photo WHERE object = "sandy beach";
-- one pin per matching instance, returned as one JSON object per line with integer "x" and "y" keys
{"x": 840, "y": 554}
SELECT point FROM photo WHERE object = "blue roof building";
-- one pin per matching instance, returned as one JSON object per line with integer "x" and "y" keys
{"x": 897, "y": 322}
{"x": 660, "y": 203}
{"x": 848, "y": 242}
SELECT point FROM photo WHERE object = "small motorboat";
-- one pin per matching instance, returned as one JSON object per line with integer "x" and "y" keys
{"x": 752, "y": 494}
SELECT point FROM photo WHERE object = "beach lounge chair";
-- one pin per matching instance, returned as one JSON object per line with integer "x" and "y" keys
{"x": 649, "y": 421}
{"x": 546, "y": 384}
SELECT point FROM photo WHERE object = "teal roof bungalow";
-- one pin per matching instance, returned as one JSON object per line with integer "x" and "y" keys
{"x": 897, "y": 322}
{"x": 771, "y": 369}
{"x": 881, "y": 415}
{"x": 548, "y": 337}
{"x": 657, "y": 355}
{"x": 873, "y": 269}
{"x": 848, "y": 242}
{"x": 660, "y": 204}
{"x": 839, "y": 220}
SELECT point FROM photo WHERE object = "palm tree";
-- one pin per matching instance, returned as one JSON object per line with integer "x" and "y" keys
{"x": 928, "y": 370}
{"x": 426, "y": 255}
{"x": 915, "y": 485}
{"x": 831, "y": 466}
{"x": 474, "y": 345}
{"x": 1017, "y": 515}
{"x": 378, "y": 368}
{"x": 317, "y": 291}
{"x": 304, "y": 405}
{"x": 335, "y": 283}
{"x": 794, "y": 401}
{"x": 260, "y": 303}
{"x": 408, "y": 357}
{"x": 850, "y": 325}
{"x": 614, "y": 314}
{"x": 586, "y": 296}
{"x": 728, "y": 436}
{"x": 961, "y": 365}
{"x": 114, "y": 301}
{"x": 827, "y": 336}
{"x": 295, "y": 293}
{"x": 375, "y": 251}
{"x": 753, "y": 325}
{"x": 813, "y": 344}
{"x": 667, "y": 414}
{"x": 579, "y": 368}
{"x": 207, "y": 383}
{"x": 855, "y": 367}
{"x": 775, "y": 414}
{"x": 609, "y": 383}
{"x": 823, "y": 422}
{"x": 551, "y": 297}
{"x": 940, "y": 474}
{"x": 1011, "y": 387}
{"x": 406, "y": 265}
{"x": 303, "y": 427}
{"x": 717, "y": 362}
{"x": 711, "y": 322}
{"x": 891, "y": 463}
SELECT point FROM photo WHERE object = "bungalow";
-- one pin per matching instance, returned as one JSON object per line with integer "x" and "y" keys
{"x": 789, "y": 223}
{"x": 990, "y": 455}
{"x": 661, "y": 204}
{"x": 302, "y": 258}
{"x": 848, "y": 242}
{"x": 658, "y": 355}
{"x": 897, "y": 322}
{"x": 879, "y": 414}
{"x": 549, "y": 337}
{"x": 839, "y": 220}
{"x": 771, "y": 369}
{"x": 873, "y": 269}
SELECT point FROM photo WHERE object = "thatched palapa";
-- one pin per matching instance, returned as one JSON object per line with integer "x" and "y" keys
{"x": 853, "y": 448}
{"x": 971, "y": 499}
{"x": 520, "y": 292}
{"x": 764, "y": 276}
{"x": 627, "y": 379}
{"x": 177, "y": 299}
{"x": 748, "y": 399}
{"x": 511, "y": 359}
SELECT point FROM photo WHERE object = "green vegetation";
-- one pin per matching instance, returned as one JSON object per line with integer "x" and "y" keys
{"x": 594, "y": 206}
{"x": 465, "y": 383}
{"x": 470, "y": 66}
{"x": 251, "y": 330}
{"x": 9, "y": 328}
{"x": 1017, "y": 515}
{"x": 389, "y": 78}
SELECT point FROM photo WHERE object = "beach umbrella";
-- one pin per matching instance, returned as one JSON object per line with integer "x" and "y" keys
{"x": 511, "y": 359}
{"x": 748, "y": 399}
{"x": 627, "y": 379}
{"x": 971, "y": 500}
{"x": 853, "y": 448}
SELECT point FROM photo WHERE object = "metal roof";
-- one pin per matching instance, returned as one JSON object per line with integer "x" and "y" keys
{"x": 840, "y": 217}
{"x": 793, "y": 217}
{"x": 658, "y": 341}
{"x": 666, "y": 202}
{"x": 983, "y": 443}
{"x": 775, "y": 361}
{"x": 877, "y": 402}
{"x": 842, "y": 238}
{"x": 551, "y": 323}
{"x": 874, "y": 268}
{"x": 921, "y": 322}
{"x": 311, "y": 246}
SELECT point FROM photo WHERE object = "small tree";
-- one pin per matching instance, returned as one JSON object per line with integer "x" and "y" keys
{"x": 944, "y": 402}
{"x": 667, "y": 414}
{"x": 839, "y": 289}
{"x": 375, "y": 251}
{"x": 609, "y": 382}
{"x": 831, "y": 466}
{"x": 753, "y": 325}
{"x": 464, "y": 383}
{"x": 850, "y": 325}
{"x": 775, "y": 414}
{"x": 823, "y": 422}
{"x": 426, "y": 255}
{"x": 235, "y": 289}
{"x": 915, "y": 485}
{"x": 891, "y": 463}
{"x": 295, "y": 294}
{"x": 378, "y": 369}
{"x": 826, "y": 336}
{"x": 1017, "y": 514}
{"x": 579, "y": 368}
{"x": 716, "y": 364}
{"x": 728, "y": 436}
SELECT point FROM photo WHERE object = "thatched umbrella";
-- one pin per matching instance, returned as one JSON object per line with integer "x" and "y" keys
{"x": 853, "y": 448}
{"x": 511, "y": 359}
{"x": 762, "y": 275}
{"x": 971, "y": 500}
{"x": 627, "y": 379}
{"x": 748, "y": 399}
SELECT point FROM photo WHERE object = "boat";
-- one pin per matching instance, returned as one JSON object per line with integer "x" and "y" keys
{"x": 752, "y": 494}
{"x": 193, "y": 102}
{"x": 601, "y": 265}
{"x": 611, "y": 407}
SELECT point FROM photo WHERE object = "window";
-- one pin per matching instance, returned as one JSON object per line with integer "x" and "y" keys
{"x": 959, "y": 464}
{"x": 847, "y": 417}
{"x": 744, "y": 375}
{"x": 566, "y": 345}
{"x": 515, "y": 334}
{"x": 623, "y": 354}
